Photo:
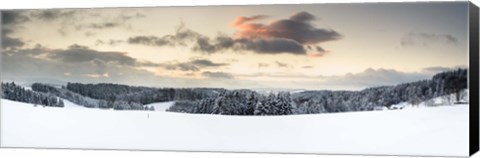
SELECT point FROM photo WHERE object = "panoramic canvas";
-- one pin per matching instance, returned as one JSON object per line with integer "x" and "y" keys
{"x": 374, "y": 78}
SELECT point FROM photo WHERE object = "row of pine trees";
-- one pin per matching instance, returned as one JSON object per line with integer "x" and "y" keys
{"x": 238, "y": 102}
{"x": 12, "y": 91}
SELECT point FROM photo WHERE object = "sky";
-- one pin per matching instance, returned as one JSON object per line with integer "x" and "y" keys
{"x": 305, "y": 46}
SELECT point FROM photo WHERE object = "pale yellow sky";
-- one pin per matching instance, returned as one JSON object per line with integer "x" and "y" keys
{"x": 406, "y": 38}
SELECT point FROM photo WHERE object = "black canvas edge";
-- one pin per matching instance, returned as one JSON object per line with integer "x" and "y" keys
{"x": 1, "y": 52}
{"x": 473, "y": 79}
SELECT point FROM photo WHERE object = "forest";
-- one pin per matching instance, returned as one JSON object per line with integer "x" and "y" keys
{"x": 239, "y": 101}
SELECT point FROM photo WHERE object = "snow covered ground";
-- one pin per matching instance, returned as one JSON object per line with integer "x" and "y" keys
{"x": 445, "y": 100}
{"x": 70, "y": 105}
{"x": 162, "y": 106}
{"x": 433, "y": 131}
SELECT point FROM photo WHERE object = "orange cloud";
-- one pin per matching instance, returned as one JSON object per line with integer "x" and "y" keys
{"x": 297, "y": 27}
{"x": 240, "y": 20}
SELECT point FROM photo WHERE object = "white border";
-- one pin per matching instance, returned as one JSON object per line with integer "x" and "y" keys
{"x": 30, "y": 4}
{"x": 51, "y": 153}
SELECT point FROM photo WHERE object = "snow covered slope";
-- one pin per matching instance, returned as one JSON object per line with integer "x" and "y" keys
{"x": 161, "y": 106}
{"x": 434, "y": 131}
{"x": 70, "y": 105}
{"x": 437, "y": 101}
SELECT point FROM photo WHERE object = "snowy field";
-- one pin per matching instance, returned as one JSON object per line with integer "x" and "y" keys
{"x": 163, "y": 106}
{"x": 434, "y": 131}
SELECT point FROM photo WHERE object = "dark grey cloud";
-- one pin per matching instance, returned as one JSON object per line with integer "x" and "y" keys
{"x": 427, "y": 39}
{"x": 273, "y": 46}
{"x": 192, "y": 65}
{"x": 14, "y": 17}
{"x": 260, "y": 46}
{"x": 11, "y": 21}
{"x": 302, "y": 16}
{"x": 179, "y": 38}
{"x": 217, "y": 75}
{"x": 11, "y": 43}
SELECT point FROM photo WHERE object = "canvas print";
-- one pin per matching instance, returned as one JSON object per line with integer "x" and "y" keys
{"x": 360, "y": 78}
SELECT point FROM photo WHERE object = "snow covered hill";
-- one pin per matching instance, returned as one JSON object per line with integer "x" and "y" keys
{"x": 437, "y": 101}
{"x": 161, "y": 106}
{"x": 70, "y": 105}
{"x": 435, "y": 131}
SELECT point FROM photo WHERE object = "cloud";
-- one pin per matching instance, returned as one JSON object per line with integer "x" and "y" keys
{"x": 437, "y": 69}
{"x": 11, "y": 21}
{"x": 377, "y": 77}
{"x": 109, "y": 42}
{"x": 217, "y": 75}
{"x": 149, "y": 40}
{"x": 280, "y": 64}
{"x": 104, "y": 25}
{"x": 89, "y": 21}
{"x": 427, "y": 39}
{"x": 78, "y": 54}
{"x": 52, "y": 14}
{"x": 182, "y": 67}
{"x": 302, "y": 17}
{"x": 273, "y": 46}
{"x": 351, "y": 81}
{"x": 28, "y": 65}
{"x": 297, "y": 27}
{"x": 180, "y": 37}
{"x": 259, "y": 46}
{"x": 11, "y": 43}
{"x": 206, "y": 63}
{"x": 242, "y": 19}
{"x": 32, "y": 64}
{"x": 14, "y": 17}
{"x": 320, "y": 49}
{"x": 193, "y": 65}
{"x": 290, "y": 36}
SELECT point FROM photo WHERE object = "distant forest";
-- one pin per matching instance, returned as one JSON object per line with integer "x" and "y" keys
{"x": 241, "y": 101}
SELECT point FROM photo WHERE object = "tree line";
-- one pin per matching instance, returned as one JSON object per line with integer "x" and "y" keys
{"x": 14, "y": 92}
{"x": 246, "y": 102}
{"x": 240, "y": 102}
